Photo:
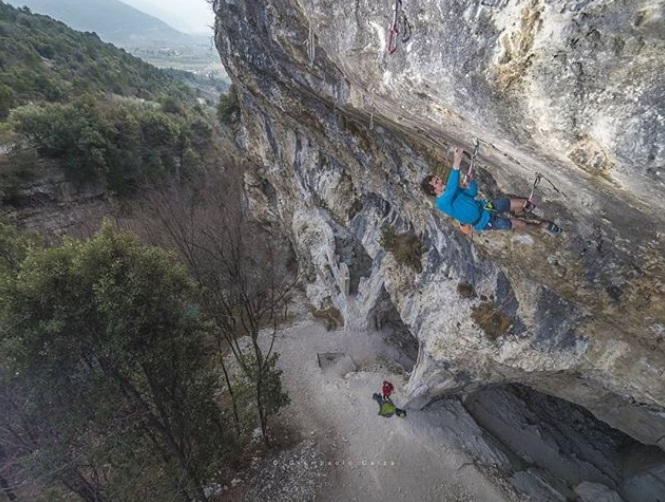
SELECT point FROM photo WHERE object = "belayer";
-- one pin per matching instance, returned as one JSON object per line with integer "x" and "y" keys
{"x": 386, "y": 389}
{"x": 461, "y": 203}
{"x": 386, "y": 406}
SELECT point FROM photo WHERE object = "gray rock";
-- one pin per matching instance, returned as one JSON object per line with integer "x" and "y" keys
{"x": 343, "y": 133}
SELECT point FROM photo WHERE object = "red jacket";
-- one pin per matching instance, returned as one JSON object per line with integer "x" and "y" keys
{"x": 387, "y": 389}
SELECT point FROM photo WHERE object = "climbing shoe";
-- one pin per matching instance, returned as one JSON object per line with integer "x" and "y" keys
{"x": 553, "y": 229}
{"x": 401, "y": 413}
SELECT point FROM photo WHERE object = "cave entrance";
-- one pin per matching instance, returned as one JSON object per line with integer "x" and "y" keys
{"x": 560, "y": 451}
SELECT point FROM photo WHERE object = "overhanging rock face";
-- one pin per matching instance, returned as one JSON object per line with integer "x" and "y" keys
{"x": 342, "y": 133}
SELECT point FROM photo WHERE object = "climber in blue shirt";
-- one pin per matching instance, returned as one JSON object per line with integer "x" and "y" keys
{"x": 461, "y": 203}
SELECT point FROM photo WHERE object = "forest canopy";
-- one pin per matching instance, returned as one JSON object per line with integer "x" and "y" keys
{"x": 117, "y": 143}
{"x": 106, "y": 118}
{"x": 44, "y": 60}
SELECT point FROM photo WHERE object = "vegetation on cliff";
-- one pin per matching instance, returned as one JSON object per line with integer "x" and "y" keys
{"x": 127, "y": 372}
{"x": 125, "y": 377}
{"x": 44, "y": 60}
{"x": 119, "y": 143}
{"x": 103, "y": 116}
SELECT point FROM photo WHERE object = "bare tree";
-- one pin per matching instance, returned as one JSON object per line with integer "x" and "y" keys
{"x": 242, "y": 267}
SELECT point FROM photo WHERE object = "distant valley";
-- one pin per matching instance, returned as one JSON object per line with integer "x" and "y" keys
{"x": 140, "y": 34}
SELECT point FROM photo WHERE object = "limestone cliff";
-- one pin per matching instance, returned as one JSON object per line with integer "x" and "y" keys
{"x": 342, "y": 133}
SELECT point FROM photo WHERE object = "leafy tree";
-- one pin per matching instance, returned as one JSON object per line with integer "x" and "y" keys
{"x": 228, "y": 109}
{"x": 7, "y": 101}
{"x": 102, "y": 369}
{"x": 120, "y": 143}
{"x": 43, "y": 59}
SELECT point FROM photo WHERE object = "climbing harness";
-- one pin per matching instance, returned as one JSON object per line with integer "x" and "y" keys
{"x": 469, "y": 173}
{"x": 400, "y": 25}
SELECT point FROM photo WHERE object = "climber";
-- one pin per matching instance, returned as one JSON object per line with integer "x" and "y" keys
{"x": 387, "y": 408}
{"x": 461, "y": 203}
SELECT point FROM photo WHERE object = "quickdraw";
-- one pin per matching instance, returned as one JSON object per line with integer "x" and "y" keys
{"x": 400, "y": 25}
{"x": 469, "y": 173}
{"x": 528, "y": 204}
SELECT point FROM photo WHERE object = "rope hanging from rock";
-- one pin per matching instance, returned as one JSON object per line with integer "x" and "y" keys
{"x": 528, "y": 205}
{"x": 400, "y": 25}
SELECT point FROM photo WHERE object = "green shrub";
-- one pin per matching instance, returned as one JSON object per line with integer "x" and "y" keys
{"x": 405, "y": 247}
{"x": 7, "y": 101}
{"x": 228, "y": 109}
{"x": 118, "y": 143}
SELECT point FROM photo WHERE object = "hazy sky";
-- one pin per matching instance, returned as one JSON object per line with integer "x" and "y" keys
{"x": 189, "y": 16}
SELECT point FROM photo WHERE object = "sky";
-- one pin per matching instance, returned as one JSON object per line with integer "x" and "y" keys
{"x": 188, "y": 16}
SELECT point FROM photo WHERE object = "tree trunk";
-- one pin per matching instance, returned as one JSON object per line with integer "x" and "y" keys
{"x": 161, "y": 428}
{"x": 79, "y": 485}
{"x": 263, "y": 420}
{"x": 5, "y": 487}
{"x": 234, "y": 404}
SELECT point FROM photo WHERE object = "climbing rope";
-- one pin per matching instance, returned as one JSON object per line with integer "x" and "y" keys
{"x": 552, "y": 185}
{"x": 399, "y": 25}
{"x": 528, "y": 204}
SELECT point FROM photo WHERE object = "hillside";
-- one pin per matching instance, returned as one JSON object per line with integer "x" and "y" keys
{"x": 139, "y": 34}
{"x": 73, "y": 105}
{"x": 112, "y": 20}
{"x": 43, "y": 59}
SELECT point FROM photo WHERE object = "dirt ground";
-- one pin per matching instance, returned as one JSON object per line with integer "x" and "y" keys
{"x": 342, "y": 450}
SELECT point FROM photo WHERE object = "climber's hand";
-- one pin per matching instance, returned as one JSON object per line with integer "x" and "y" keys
{"x": 457, "y": 157}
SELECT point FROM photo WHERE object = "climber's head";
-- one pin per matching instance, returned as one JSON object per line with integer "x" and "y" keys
{"x": 433, "y": 185}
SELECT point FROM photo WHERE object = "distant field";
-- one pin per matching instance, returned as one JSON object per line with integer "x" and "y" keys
{"x": 200, "y": 59}
{"x": 199, "y": 66}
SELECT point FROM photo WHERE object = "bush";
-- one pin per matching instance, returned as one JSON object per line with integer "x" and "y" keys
{"x": 228, "y": 109}
{"x": 119, "y": 144}
{"x": 7, "y": 101}
{"x": 489, "y": 317}
{"x": 406, "y": 247}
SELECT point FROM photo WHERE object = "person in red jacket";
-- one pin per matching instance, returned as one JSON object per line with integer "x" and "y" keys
{"x": 387, "y": 389}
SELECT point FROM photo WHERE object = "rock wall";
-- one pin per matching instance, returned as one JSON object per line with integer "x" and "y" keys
{"x": 342, "y": 133}
{"x": 53, "y": 206}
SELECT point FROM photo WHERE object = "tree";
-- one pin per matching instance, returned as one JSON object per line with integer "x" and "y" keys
{"x": 7, "y": 101}
{"x": 103, "y": 370}
{"x": 242, "y": 267}
{"x": 228, "y": 109}
{"x": 122, "y": 144}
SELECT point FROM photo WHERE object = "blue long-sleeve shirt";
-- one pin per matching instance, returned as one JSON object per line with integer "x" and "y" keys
{"x": 461, "y": 204}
